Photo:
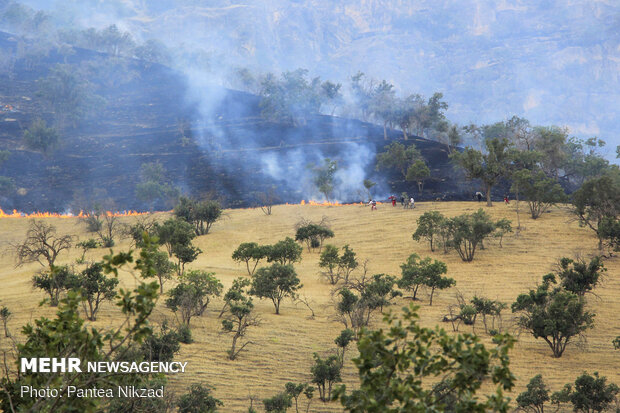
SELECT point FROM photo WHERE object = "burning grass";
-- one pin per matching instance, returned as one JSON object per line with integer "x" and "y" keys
{"x": 284, "y": 343}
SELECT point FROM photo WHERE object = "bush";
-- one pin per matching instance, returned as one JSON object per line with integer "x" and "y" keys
{"x": 278, "y": 403}
{"x": 285, "y": 252}
{"x": 275, "y": 283}
{"x": 198, "y": 400}
{"x": 467, "y": 231}
{"x": 313, "y": 235}
{"x": 325, "y": 372}
{"x": 161, "y": 347}
{"x": 397, "y": 365}
{"x": 591, "y": 393}
{"x": 185, "y": 334}
{"x": 54, "y": 282}
{"x": 534, "y": 398}
{"x": 38, "y": 137}
{"x": 554, "y": 314}
{"x": 429, "y": 225}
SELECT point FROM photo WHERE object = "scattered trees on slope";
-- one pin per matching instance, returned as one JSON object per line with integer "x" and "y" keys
{"x": 275, "y": 282}
{"x": 553, "y": 314}
{"x": 389, "y": 383}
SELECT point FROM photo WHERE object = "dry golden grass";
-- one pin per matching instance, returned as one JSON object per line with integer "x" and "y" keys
{"x": 283, "y": 345}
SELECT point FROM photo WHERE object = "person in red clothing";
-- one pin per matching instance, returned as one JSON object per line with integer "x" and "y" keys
{"x": 393, "y": 199}
{"x": 506, "y": 201}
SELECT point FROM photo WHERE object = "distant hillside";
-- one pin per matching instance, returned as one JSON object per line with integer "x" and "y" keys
{"x": 553, "y": 62}
{"x": 233, "y": 153}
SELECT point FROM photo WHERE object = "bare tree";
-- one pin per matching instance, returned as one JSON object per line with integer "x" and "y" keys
{"x": 267, "y": 199}
{"x": 110, "y": 229}
{"x": 41, "y": 245}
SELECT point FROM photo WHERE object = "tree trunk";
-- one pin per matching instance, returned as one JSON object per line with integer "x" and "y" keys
{"x": 518, "y": 217}
{"x": 231, "y": 355}
{"x": 489, "y": 203}
{"x": 385, "y": 131}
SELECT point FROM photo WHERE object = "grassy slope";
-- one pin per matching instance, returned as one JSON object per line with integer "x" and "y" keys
{"x": 284, "y": 344}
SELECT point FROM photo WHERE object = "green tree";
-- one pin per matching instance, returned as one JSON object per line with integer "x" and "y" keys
{"x": 609, "y": 231}
{"x": 275, "y": 282}
{"x": 202, "y": 215}
{"x": 184, "y": 255}
{"x": 487, "y": 308}
{"x": 161, "y": 346}
{"x": 342, "y": 342}
{"x": 596, "y": 201}
{"x": 95, "y": 288}
{"x": 154, "y": 187}
{"x": 250, "y": 251}
{"x": 489, "y": 166}
{"x": 67, "y": 94}
{"x": 240, "y": 317}
{"x": 294, "y": 391}
{"x": 38, "y": 137}
{"x": 325, "y": 373}
{"x": 338, "y": 266}
{"x": 330, "y": 260}
{"x": 467, "y": 231}
{"x": 162, "y": 268}
{"x": 551, "y": 143}
{"x": 285, "y": 252}
{"x": 54, "y": 282}
{"x": 368, "y": 184}
{"x": 418, "y": 171}
{"x": 362, "y": 297}
{"x": 502, "y": 227}
{"x": 383, "y": 104}
{"x": 313, "y": 235}
{"x": 553, "y": 314}
{"x": 278, "y": 403}
{"x": 198, "y": 400}
{"x": 539, "y": 191}
{"x": 417, "y": 272}
{"x": 591, "y": 394}
{"x": 429, "y": 224}
{"x": 68, "y": 335}
{"x": 324, "y": 177}
{"x": 5, "y": 314}
{"x": 193, "y": 294}
{"x": 391, "y": 379}
{"x": 174, "y": 232}
{"x": 580, "y": 277}
{"x": 235, "y": 292}
{"x": 399, "y": 157}
{"x": 292, "y": 97}
{"x": 535, "y": 397}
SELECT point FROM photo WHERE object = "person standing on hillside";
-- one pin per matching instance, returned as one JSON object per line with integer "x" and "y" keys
{"x": 412, "y": 203}
{"x": 479, "y": 196}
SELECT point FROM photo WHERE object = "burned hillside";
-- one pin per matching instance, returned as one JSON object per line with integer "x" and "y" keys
{"x": 136, "y": 112}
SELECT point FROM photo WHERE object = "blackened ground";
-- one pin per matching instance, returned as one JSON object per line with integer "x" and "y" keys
{"x": 140, "y": 122}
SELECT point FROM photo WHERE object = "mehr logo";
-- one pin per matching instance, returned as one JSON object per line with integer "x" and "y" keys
{"x": 50, "y": 365}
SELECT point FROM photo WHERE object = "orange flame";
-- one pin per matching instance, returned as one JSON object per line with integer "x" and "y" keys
{"x": 16, "y": 214}
{"x": 315, "y": 203}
